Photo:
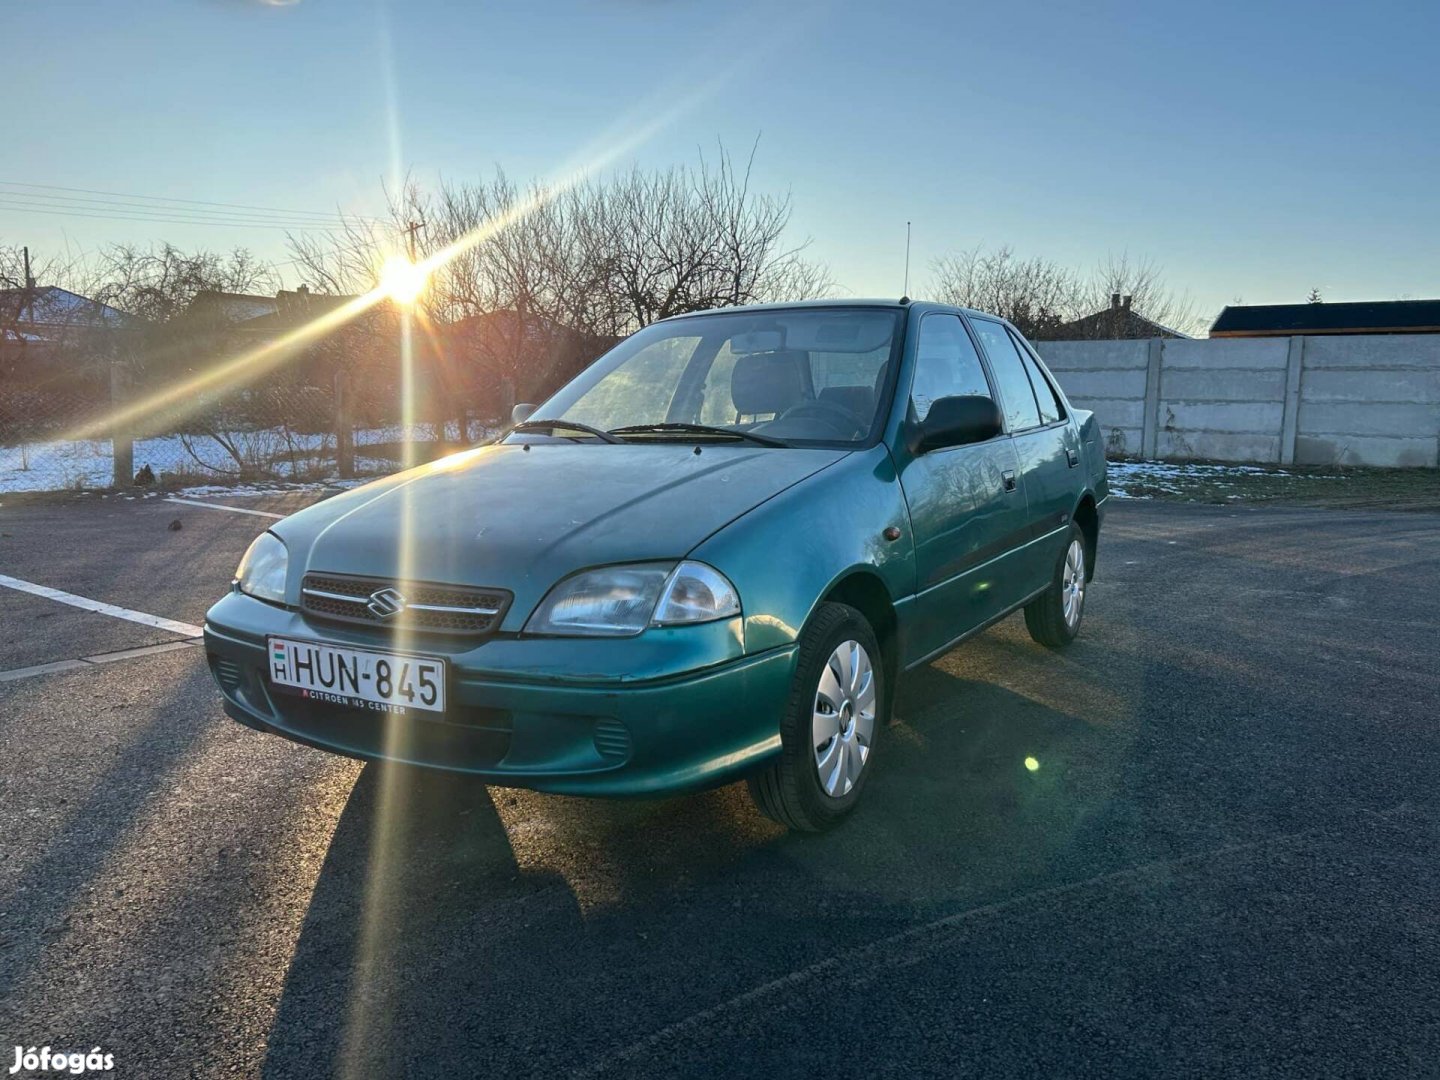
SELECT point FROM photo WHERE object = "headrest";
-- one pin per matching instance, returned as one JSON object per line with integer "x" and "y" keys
{"x": 767, "y": 382}
{"x": 859, "y": 400}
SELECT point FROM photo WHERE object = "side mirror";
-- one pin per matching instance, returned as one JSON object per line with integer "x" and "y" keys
{"x": 522, "y": 412}
{"x": 958, "y": 421}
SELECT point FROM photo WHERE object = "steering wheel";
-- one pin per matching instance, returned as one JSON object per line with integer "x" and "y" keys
{"x": 827, "y": 411}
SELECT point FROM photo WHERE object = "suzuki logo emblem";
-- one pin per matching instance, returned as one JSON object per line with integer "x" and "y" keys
{"x": 386, "y": 603}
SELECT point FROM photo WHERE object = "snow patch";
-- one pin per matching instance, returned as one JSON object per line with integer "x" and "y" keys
{"x": 1168, "y": 476}
{"x": 87, "y": 463}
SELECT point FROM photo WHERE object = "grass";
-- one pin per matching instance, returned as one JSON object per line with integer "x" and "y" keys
{"x": 1360, "y": 488}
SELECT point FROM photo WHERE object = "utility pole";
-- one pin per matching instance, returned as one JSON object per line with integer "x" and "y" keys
{"x": 29, "y": 293}
{"x": 27, "y": 296}
{"x": 411, "y": 228}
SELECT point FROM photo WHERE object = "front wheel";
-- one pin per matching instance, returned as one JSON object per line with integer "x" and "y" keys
{"x": 837, "y": 707}
{"x": 1053, "y": 618}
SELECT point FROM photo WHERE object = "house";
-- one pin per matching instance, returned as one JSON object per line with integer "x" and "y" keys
{"x": 214, "y": 306}
{"x": 1119, "y": 321}
{"x": 1368, "y": 317}
{"x": 48, "y": 333}
{"x": 293, "y": 308}
{"x": 48, "y": 314}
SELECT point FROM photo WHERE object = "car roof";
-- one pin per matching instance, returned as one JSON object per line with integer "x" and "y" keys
{"x": 799, "y": 305}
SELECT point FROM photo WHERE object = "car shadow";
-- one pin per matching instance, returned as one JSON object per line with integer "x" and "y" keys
{"x": 38, "y": 900}
{"x": 453, "y": 926}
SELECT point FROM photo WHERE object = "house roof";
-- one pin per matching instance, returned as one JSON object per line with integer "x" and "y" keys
{"x": 1368, "y": 317}
{"x": 1119, "y": 321}
{"x": 291, "y": 307}
{"x": 40, "y": 313}
{"x": 235, "y": 307}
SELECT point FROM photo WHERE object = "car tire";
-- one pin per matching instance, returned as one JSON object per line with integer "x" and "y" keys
{"x": 1053, "y": 618}
{"x": 839, "y": 673}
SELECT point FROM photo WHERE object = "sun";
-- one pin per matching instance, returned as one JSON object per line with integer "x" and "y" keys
{"x": 403, "y": 281}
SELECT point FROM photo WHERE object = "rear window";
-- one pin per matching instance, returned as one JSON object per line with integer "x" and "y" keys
{"x": 1017, "y": 398}
{"x": 1045, "y": 396}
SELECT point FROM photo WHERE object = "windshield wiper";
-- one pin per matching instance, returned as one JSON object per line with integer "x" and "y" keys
{"x": 698, "y": 429}
{"x": 566, "y": 425}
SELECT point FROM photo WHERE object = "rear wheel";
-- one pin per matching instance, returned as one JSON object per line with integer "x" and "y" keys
{"x": 1053, "y": 618}
{"x": 835, "y": 711}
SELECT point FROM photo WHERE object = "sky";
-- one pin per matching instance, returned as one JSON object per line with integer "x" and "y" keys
{"x": 1252, "y": 150}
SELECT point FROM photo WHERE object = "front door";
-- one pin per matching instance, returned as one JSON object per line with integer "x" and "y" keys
{"x": 967, "y": 503}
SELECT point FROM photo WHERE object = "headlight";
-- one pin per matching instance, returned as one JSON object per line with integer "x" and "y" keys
{"x": 617, "y": 601}
{"x": 261, "y": 573}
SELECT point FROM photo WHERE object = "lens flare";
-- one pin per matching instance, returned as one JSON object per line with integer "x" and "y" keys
{"x": 403, "y": 281}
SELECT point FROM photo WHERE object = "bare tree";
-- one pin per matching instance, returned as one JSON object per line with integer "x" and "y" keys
{"x": 1035, "y": 294}
{"x": 1045, "y": 299}
{"x": 44, "y": 268}
{"x": 1150, "y": 296}
{"x": 159, "y": 282}
{"x": 695, "y": 238}
{"x": 26, "y": 273}
{"x": 535, "y": 281}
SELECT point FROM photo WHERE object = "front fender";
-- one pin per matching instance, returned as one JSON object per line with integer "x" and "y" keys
{"x": 785, "y": 554}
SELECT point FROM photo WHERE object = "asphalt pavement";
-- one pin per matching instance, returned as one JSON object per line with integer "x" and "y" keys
{"x": 1202, "y": 841}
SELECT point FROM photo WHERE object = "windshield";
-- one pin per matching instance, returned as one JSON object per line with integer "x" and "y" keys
{"x": 808, "y": 376}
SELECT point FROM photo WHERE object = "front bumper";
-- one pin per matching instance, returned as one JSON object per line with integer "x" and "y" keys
{"x": 532, "y": 725}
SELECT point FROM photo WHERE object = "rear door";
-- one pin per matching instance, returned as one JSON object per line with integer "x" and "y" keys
{"x": 1044, "y": 445}
{"x": 967, "y": 503}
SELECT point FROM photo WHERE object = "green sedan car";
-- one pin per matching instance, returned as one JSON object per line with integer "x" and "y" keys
{"x": 709, "y": 556}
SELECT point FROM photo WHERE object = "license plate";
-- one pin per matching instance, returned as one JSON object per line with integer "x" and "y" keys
{"x": 358, "y": 678}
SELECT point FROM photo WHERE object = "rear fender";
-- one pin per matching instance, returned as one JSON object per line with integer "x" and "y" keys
{"x": 1092, "y": 446}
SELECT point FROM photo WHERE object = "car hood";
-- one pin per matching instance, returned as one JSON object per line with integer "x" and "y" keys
{"x": 520, "y": 519}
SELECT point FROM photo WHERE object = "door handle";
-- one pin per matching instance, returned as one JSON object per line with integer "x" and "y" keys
{"x": 1072, "y": 457}
{"x": 1009, "y": 477}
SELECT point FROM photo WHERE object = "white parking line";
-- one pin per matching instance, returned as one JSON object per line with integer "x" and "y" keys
{"x": 222, "y": 506}
{"x": 93, "y": 661}
{"x": 184, "y": 628}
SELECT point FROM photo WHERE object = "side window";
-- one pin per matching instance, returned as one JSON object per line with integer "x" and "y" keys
{"x": 946, "y": 364}
{"x": 1017, "y": 399}
{"x": 1045, "y": 396}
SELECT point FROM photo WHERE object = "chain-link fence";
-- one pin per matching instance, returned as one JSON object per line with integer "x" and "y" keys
{"x": 119, "y": 431}
{"x": 46, "y": 435}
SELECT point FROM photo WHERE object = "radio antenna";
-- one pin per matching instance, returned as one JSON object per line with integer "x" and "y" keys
{"x": 906, "y": 292}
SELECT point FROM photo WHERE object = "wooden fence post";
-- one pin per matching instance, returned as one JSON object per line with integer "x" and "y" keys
{"x": 507, "y": 400}
{"x": 122, "y": 445}
{"x": 344, "y": 428}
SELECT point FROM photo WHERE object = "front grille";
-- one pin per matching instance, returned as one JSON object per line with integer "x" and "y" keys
{"x": 417, "y": 605}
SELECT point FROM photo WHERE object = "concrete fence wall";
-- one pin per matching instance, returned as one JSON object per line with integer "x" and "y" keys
{"x": 1335, "y": 400}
